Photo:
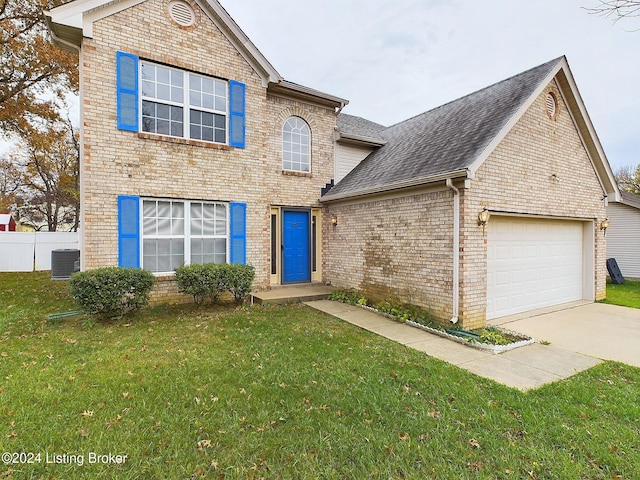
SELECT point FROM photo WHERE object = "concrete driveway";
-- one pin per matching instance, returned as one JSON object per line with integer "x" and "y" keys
{"x": 609, "y": 332}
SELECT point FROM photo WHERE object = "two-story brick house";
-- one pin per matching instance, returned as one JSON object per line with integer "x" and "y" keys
{"x": 195, "y": 149}
{"x": 193, "y": 146}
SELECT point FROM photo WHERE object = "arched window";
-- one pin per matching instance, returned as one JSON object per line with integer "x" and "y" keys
{"x": 296, "y": 145}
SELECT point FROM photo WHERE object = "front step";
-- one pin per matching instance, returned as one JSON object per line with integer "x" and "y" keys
{"x": 292, "y": 294}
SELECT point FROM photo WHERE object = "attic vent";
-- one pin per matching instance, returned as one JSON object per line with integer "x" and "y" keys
{"x": 552, "y": 106}
{"x": 182, "y": 13}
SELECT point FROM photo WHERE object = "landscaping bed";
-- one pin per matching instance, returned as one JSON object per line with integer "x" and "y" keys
{"x": 491, "y": 338}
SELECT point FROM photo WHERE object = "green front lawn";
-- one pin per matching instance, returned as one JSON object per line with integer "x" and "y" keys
{"x": 283, "y": 392}
{"x": 627, "y": 294}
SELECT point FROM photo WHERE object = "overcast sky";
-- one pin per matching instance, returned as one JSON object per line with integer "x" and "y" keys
{"x": 395, "y": 59}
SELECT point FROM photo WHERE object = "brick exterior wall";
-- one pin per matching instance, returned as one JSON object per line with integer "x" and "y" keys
{"x": 118, "y": 162}
{"x": 517, "y": 178}
{"x": 397, "y": 249}
{"x": 400, "y": 248}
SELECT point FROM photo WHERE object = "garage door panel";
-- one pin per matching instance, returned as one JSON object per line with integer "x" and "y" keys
{"x": 532, "y": 263}
{"x": 502, "y": 278}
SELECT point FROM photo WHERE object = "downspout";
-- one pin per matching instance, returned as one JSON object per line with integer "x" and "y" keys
{"x": 456, "y": 251}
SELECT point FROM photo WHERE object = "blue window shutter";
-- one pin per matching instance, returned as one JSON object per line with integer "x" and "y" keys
{"x": 238, "y": 233}
{"x": 127, "y": 91}
{"x": 237, "y": 124}
{"x": 129, "y": 231}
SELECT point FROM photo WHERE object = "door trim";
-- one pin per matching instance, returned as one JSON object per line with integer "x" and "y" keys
{"x": 275, "y": 252}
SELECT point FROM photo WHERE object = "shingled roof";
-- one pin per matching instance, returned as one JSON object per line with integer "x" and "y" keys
{"x": 631, "y": 199}
{"x": 358, "y": 126}
{"x": 447, "y": 139}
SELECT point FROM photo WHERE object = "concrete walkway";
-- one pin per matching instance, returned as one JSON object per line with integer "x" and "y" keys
{"x": 522, "y": 368}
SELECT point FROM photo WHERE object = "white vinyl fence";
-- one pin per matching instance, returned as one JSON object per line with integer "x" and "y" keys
{"x": 29, "y": 251}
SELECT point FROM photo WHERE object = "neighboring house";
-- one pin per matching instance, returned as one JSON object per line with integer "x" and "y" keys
{"x": 623, "y": 234}
{"x": 7, "y": 223}
{"x": 195, "y": 149}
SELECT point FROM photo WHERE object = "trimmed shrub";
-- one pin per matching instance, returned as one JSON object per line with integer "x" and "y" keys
{"x": 201, "y": 281}
{"x": 210, "y": 280}
{"x": 111, "y": 292}
{"x": 238, "y": 279}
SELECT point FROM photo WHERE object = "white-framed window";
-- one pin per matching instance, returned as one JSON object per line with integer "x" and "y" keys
{"x": 179, "y": 232}
{"x": 183, "y": 104}
{"x": 296, "y": 145}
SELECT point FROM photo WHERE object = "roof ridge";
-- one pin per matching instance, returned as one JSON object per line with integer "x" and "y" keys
{"x": 554, "y": 61}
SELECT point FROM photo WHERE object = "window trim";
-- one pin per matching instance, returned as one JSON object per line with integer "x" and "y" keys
{"x": 185, "y": 104}
{"x": 308, "y": 128}
{"x": 186, "y": 235}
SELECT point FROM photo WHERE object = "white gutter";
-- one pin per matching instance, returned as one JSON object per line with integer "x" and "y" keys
{"x": 56, "y": 39}
{"x": 456, "y": 250}
{"x": 354, "y": 139}
{"x": 413, "y": 182}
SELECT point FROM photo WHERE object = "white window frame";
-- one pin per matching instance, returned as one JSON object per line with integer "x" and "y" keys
{"x": 185, "y": 101}
{"x": 186, "y": 236}
{"x": 290, "y": 147}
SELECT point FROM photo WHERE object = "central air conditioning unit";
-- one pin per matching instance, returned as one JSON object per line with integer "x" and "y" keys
{"x": 64, "y": 263}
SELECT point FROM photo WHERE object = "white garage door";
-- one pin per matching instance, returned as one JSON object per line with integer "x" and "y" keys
{"x": 532, "y": 263}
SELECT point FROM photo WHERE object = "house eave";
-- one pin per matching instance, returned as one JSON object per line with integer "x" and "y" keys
{"x": 628, "y": 200}
{"x": 245, "y": 46}
{"x": 72, "y": 21}
{"x": 359, "y": 140}
{"x": 587, "y": 132}
{"x": 63, "y": 36}
{"x": 415, "y": 182}
{"x": 293, "y": 90}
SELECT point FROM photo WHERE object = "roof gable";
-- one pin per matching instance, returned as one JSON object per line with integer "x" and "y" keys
{"x": 72, "y": 21}
{"x": 453, "y": 140}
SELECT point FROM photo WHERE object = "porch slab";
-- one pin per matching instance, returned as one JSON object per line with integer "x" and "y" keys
{"x": 292, "y": 294}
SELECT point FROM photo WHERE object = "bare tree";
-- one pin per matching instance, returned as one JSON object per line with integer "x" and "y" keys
{"x": 47, "y": 164}
{"x": 628, "y": 179}
{"x": 10, "y": 183}
{"x": 617, "y": 9}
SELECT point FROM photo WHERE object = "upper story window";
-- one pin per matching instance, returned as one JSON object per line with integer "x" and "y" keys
{"x": 296, "y": 145}
{"x": 183, "y": 104}
{"x": 167, "y": 101}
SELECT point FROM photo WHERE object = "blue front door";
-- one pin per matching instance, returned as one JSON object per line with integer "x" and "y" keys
{"x": 295, "y": 240}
